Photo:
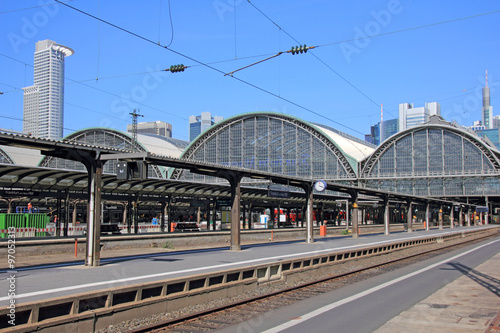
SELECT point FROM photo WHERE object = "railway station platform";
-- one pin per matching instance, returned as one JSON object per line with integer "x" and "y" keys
{"x": 189, "y": 275}
{"x": 469, "y": 304}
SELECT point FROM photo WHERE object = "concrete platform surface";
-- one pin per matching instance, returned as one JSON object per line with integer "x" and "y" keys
{"x": 469, "y": 304}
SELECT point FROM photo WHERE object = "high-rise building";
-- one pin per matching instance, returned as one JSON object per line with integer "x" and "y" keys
{"x": 411, "y": 117}
{"x": 477, "y": 126}
{"x": 496, "y": 122}
{"x": 199, "y": 124}
{"x": 153, "y": 127}
{"x": 43, "y": 109}
{"x": 383, "y": 130}
{"x": 487, "y": 109}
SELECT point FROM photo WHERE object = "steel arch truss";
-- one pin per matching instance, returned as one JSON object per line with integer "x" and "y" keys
{"x": 453, "y": 162}
{"x": 5, "y": 158}
{"x": 368, "y": 165}
{"x": 98, "y": 136}
{"x": 273, "y": 141}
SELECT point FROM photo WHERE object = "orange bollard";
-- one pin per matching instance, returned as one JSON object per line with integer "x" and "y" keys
{"x": 425, "y": 224}
{"x": 322, "y": 230}
{"x": 76, "y": 247}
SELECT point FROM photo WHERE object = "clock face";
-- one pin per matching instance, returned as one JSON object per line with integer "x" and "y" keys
{"x": 320, "y": 185}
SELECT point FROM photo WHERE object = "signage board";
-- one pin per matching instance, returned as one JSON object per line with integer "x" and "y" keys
{"x": 276, "y": 191}
{"x": 223, "y": 202}
{"x": 481, "y": 209}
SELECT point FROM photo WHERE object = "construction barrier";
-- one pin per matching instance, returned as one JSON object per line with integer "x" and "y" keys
{"x": 11, "y": 220}
{"x": 37, "y": 221}
{"x": 25, "y": 222}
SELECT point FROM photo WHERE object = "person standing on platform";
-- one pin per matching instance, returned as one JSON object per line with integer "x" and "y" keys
{"x": 30, "y": 207}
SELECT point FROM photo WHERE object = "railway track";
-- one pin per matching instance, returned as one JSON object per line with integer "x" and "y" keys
{"x": 259, "y": 307}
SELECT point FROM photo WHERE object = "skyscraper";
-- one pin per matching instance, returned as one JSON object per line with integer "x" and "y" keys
{"x": 411, "y": 117}
{"x": 43, "y": 109}
{"x": 199, "y": 124}
{"x": 383, "y": 130}
{"x": 487, "y": 109}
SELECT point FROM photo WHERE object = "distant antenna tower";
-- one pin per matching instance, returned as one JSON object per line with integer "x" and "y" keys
{"x": 134, "y": 115}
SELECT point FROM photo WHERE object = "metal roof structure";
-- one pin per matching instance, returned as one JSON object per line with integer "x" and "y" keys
{"x": 278, "y": 143}
{"x": 45, "y": 180}
{"x": 435, "y": 159}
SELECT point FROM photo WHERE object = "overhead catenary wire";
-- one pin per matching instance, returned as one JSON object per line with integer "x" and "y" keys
{"x": 271, "y": 57}
{"x": 411, "y": 28}
{"x": 104, "y": 91}
{"x": 171, "y": 25}
{"x": 278, "y": 96}
{"x": 27, "y": 8}
{"x": 315, "y": 56}
{"x": 208, "y": 66}
{"x": 367, "y": 37}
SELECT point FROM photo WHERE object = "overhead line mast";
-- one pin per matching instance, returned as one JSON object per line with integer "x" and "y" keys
{"x": 134, "y": 115}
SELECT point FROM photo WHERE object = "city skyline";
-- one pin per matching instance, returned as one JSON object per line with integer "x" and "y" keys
{"x": 418, "y": 52}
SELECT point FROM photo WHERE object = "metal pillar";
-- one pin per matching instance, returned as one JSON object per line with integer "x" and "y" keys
{"x": 66, "y": 215}
{"x": 249, "y": 212}
{"x": 355, "y": 232}
{"x": 386, "y": 217}
{"x": 460, "y": 217}
{"x": 303, "y": 210}
{"x": 309, "y": 214}
{"x": 440, "y": 217}
{"x": 129, "y": 217}
{"x": 169, "y": 214}
{"x": 452, "y": 217}
{"x": 486, "y": 216}
{"x": 322, "y": 214}
{"x": 235, "y": 216}
{"x": 214, "y": 225}
{"x": 73, "y": 217}
{"x": 135, "y": 216}
{"x": 271, "y": 216}
{"x": 235, "y": 182}
{"x": 427, "y": 217}
{"x": 93, "y": 251}
{"x": 162, "y": 216}
{"x": 209, "y": 216}
{"x": 279, "y": 214}
{"x": 347, "y": 214}
{"x": 409, "y": 217}
{"x": 59, "y": 216}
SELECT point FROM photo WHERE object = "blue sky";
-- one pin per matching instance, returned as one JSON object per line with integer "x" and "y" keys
{"x": 425, "y": 54}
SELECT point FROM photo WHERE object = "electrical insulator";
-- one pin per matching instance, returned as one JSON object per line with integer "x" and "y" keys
{"x": 299, "y": 49}
{"x": 177, "y": 68}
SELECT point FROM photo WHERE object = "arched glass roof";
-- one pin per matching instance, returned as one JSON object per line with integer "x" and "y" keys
{"x": 277, "y": 143}
{"x": 106, "y": 137}
{"x": 435, "y": 159}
